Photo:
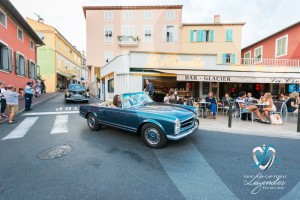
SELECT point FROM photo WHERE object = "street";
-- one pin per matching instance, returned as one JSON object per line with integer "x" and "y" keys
{"x": 113, "y": 164}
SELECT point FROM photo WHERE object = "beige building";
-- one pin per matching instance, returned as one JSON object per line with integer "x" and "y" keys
{"x": 60, "y": 62}
{"x": 222, "y": 39}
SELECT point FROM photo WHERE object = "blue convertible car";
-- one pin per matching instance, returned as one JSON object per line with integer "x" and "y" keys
{"x": 156, "y": 122}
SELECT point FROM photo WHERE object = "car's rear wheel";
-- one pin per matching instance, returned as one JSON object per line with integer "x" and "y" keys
{"x": 92, "y": 123}
{"x": 153, "y": 136}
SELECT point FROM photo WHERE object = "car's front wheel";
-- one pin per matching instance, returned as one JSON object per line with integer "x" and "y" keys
{"x": 153, "y": 136}
{"x": 92, "y": 123}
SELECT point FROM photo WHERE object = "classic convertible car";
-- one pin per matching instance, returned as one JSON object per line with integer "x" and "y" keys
{"x": 76, "y": 92}
{"x": 156, "y": 122}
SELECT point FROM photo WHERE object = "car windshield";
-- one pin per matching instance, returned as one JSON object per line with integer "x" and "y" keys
{"x": 135, "y": 99}
{"x": 76, "y": 87}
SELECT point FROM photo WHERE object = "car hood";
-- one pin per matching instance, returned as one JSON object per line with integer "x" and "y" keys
{"x": 167, "y": 110}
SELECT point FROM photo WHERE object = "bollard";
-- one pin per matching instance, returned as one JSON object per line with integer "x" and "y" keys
{"x": 298, "y": 121}
{"x": 230, "y": 115}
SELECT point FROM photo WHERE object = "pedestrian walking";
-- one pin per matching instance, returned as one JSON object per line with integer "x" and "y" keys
{"x": 149, "y": 88}
{"x": 43, "y": 87}
{"x": 12, "y": 100}
{"x": 3, "y": 100}
{"x": 28, "y": 96}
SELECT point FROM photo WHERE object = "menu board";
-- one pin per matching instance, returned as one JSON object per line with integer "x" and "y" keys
{"x": 205, "y": 88}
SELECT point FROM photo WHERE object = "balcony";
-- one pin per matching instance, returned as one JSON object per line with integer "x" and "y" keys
{"x": 267, "y": 62}
{"x": 129, "y": 41}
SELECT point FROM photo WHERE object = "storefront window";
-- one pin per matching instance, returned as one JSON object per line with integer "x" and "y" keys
{"x": 111, "y": 87}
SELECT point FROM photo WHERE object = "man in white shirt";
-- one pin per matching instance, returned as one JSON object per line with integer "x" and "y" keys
{"x": 12, "y": 100}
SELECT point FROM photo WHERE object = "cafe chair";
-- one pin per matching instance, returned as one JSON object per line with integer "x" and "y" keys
{"x": 240, "y": 111}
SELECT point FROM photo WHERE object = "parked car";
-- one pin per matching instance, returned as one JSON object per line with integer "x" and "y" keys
{"x": 76, "y": 92}
{"x": 156, "y": 122}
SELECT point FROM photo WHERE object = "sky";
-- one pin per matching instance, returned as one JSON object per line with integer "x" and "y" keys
{"x": 262, "y": 17}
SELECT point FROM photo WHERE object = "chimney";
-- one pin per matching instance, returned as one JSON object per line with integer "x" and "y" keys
{"x": 217, "y": 19}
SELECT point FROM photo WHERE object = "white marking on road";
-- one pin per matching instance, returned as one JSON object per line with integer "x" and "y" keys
{"x": 68, "y": 108}
{"x": 22, "y": 128}
{"x": 75, "y": 108}
{"x": 51, "y": 113}
{"x": 60, "y": 124}
{"x": 192, "y": 175}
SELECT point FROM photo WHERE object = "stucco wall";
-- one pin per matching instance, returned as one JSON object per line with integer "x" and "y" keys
{"x": 46, "y": 62}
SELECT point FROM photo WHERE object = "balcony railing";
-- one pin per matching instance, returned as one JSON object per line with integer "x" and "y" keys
{"x": 128, "y": 40}
{"x": 267, "y": 62}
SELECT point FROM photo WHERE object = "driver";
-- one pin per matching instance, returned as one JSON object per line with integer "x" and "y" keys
{"x": 117, "y": 103}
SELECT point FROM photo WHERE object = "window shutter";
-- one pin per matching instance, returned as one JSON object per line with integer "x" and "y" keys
{"x": 211, "y": 35}
{"x": 17, "y": 69}
{"x": 29, "y": 69}
{"x": 192, "y": 36}
{"x": 175, "y": 33}
{"x": 233, "y": 59}
{"x": 224, "y": 58}
{"x": 200, "y": 35}
{"x": 164, "y": 33}
{"x": 10, "y": 60}
{"x": 228, "y": 35}
{"x": 4, "y": 59}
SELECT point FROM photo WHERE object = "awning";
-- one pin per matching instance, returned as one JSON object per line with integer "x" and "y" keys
{"x": 232, "y": 76}
{"x": 64, "y": 74}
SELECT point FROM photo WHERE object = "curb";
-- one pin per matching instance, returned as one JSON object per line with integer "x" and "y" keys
{"x": 290, "y": 135}
{"x": 20, "y": 111}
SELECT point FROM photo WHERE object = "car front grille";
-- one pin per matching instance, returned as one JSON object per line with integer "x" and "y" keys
{"x": 188, "y": 122}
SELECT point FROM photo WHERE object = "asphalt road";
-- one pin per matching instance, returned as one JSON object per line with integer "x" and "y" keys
{"x": 113, "y": 164}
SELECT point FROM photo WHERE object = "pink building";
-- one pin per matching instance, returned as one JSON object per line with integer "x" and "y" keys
{"x": 115, "y": 30}
{"x": 18, "y": 44}
{"x": 284, "y": 44}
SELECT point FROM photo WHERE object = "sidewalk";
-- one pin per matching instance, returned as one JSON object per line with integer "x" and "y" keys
{"x": 287, "y": 130}
{"x": 35, "y": 101}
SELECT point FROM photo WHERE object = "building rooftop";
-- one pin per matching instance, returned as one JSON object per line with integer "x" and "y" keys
{"x": 213, "y": 24}
{"x": 55, "y": 30}
{"x": 22, "y": 22}
{"x": 282, "y": 30}
{"x": 85, "y": 8}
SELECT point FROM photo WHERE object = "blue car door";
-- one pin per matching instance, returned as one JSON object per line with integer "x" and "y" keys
{"x": 132, "y": 120}
{"x": 112, "y": 116}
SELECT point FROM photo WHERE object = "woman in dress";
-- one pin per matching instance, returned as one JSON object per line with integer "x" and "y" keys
{"x": 271, "y": 107}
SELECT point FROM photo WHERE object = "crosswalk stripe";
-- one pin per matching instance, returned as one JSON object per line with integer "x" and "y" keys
{"x": 22, "y": 128}
{"x": 191, "y": 173}
{"x": 60, "y": 124}
{"x": 51, "y": 113}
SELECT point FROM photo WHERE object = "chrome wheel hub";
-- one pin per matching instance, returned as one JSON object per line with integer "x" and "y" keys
{"x": 152, "y": 136}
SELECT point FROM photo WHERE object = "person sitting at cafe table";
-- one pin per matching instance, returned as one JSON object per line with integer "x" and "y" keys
{"x": 282, "y": 97}
{"x": 291, "y": 104}
{"x": 249, "y": 98}
{"x": 213, "y": 104}
{"x": 271, "y": 107}
{"x": 251, "y": 108}
{"x": 262, "y": 97}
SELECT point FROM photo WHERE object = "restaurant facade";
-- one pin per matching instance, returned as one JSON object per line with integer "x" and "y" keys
{"x": 197, "y": 74}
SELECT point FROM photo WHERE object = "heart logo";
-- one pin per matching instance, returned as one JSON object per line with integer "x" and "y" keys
{"x": 266, "y": 156}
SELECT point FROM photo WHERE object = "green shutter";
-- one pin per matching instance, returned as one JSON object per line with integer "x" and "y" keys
{"x": 232, "y": 58}
{"x": 229, "y": 35}
{"x": 224, "y": 58}
{"x": 211, "y": 35}
{"x": 200, "y": 35}
{"x": 10, "y": 60}
{"x": 17, "y": 64}
{"x": 192, "y": 36}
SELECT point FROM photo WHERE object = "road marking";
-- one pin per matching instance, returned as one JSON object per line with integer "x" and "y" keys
{"x": 68, "y": 108}
{"x": 57, "y": 109}
{"x": 190, "y": 172}
{"x": 22, "y": 128}
{"x": 60, "y": 124}
{"x": 51, "y": 113}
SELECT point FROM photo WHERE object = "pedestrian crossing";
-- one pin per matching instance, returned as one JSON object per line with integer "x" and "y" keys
{"x": 60, "y": 125}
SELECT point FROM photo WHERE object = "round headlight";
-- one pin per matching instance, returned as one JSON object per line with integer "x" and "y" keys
{"x": 177, "y": 126}
{"x": 68, "y": 94}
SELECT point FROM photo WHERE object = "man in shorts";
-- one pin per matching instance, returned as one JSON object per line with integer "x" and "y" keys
{"x": 12, "y": 101}
{"x": 251, "y": 108}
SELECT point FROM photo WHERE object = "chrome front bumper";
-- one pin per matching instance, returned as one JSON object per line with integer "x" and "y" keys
{"x": 184, "y": 134}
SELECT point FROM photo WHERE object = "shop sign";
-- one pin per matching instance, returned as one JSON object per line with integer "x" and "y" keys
{"x": 238, "y": 79}
{"x": 171, "y": 61}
